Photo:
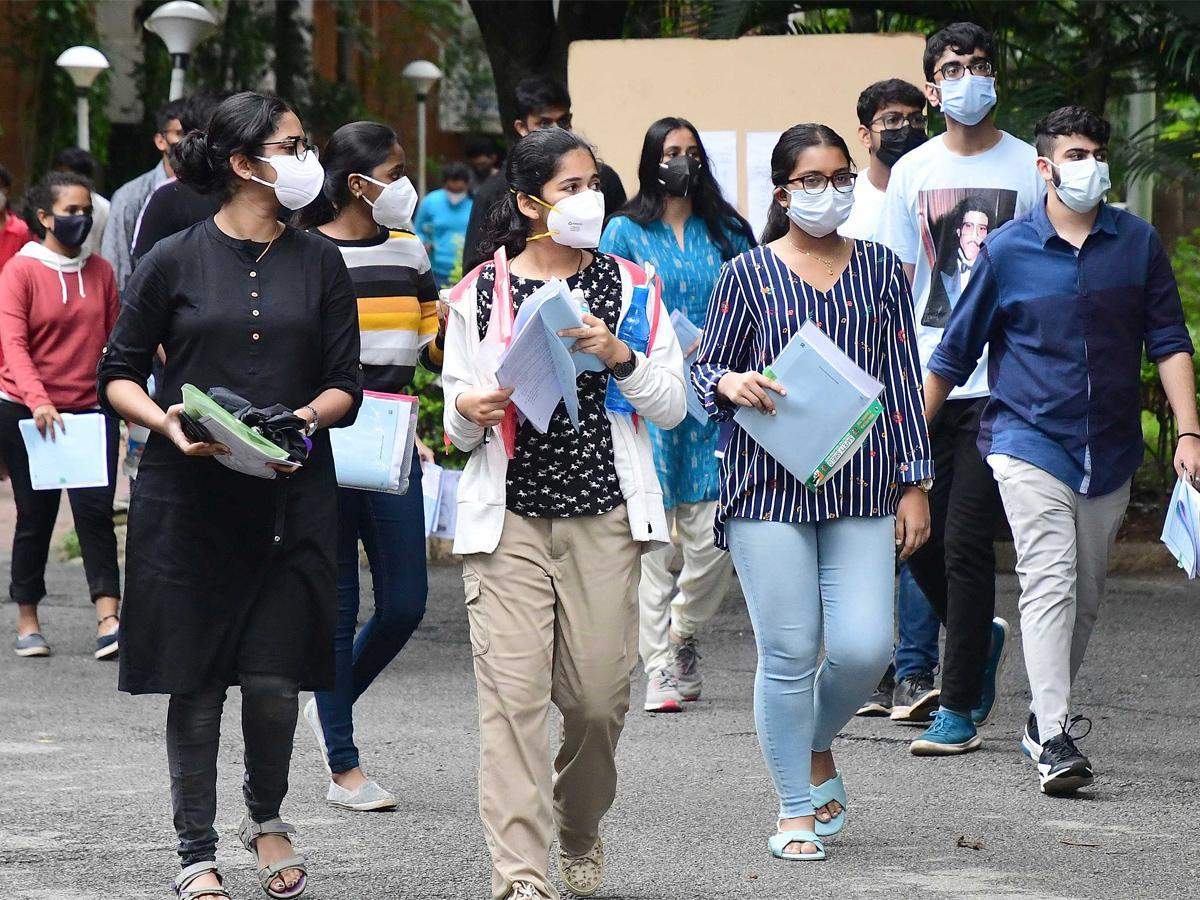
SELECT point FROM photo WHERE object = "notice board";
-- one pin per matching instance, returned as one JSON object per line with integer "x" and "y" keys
{"x": 740, "y": 94}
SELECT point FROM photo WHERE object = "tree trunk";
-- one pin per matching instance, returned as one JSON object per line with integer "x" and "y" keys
{"x": 522, "y": 39}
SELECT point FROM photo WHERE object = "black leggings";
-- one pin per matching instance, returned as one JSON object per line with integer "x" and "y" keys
{"x": 269, "y": 708}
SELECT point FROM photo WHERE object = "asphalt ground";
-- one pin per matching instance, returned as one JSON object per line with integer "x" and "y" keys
{"x": 85, "y": 810}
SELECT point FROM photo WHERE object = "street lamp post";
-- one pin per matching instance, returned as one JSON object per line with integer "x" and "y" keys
{"x": 84, "y": 65}
{"x": 182, "y": 25}
{"x": 422, "y": 75}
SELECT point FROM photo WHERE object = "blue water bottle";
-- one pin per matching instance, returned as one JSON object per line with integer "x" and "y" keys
{"x": 635, "y": 333}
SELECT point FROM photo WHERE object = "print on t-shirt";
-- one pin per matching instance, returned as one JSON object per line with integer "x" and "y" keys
{"x": 954, "y": 222}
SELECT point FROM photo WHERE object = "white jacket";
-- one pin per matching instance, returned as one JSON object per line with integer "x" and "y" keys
{"x": 656, "y": 389}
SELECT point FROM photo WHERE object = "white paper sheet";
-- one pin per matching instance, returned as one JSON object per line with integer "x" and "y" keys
{"x": 721, "y": 147}
{"x": 689, "y": 340}
{"x": 447, "y": 509}
{"x": 431, "y": 486}
{"x": 759, "y": 188}
{"x": 1181, "y": 530}
{"x": 528, "y": 366}
{"x": 77, "y": 457}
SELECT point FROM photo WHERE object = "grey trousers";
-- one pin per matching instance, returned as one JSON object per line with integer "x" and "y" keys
{"x": 1062, "y": 540}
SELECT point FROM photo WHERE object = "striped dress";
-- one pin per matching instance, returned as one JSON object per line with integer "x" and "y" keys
{"x": 756, "y": 307}
{"x": 397, "y": 307}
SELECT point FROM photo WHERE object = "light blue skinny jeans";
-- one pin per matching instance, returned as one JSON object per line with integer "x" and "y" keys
{"x": 835, "y": 576}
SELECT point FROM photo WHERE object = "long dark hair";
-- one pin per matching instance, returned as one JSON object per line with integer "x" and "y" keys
{"x": 239, "y": 124}
{"x": 791, "y": 144}
{"x": 354, "y": 149}
{"x": 647, "y": 205}
{"x": 530, "y": 166}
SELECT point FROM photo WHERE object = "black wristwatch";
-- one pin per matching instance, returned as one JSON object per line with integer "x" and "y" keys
{"x": 625, "y": 369}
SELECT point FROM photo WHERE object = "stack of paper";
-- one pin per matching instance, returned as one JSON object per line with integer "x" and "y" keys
{"x": 375, "y": 453}
{"x": 830, "y": 407}
{"x": 689, "y": 340}
{"x": 538, "y": 364}
{"x": 440, "y": 489}
{"x": 249, "y": 452}
{"x": 1181, "y": 530}
{"x": 76, "y": 457}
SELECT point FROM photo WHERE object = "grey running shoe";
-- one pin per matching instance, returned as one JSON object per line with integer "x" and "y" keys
{"x": 32, "y": 645}
{"x": 915, "y": 699}
{"x": 880, "y": 702}
{"x": 687, "y": 668}
{"x": 662, "y": 692}
{"x": 368, "y": 797}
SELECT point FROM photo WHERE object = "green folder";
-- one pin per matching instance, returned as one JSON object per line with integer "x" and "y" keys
{"x": 250, "y": 452}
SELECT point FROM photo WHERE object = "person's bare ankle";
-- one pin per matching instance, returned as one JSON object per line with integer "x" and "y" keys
{"x": 351, "y": 779}
{"x": 823, "y": 766}
{"x": 27, "y": 621}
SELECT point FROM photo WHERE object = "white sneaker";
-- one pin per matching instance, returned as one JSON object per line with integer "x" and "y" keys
{"x": 662, "y": 692}
{"x": 523, "y": 890}
{"x": 313, "y": 718}
{"x": 368, "y": 797}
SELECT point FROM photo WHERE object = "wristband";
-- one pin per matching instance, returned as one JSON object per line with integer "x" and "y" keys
{"x": 1190, "y": 434}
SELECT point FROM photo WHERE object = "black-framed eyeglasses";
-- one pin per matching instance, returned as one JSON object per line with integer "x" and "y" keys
{"x": 815, "y": 182}
{"x": 894, "y": 121}
{"x": 296, "y": 146}
{"x": 952, "y": 71}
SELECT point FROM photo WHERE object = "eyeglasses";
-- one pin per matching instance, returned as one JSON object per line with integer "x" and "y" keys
{"x": 815, "y": 182}
{"x": 295, "y": 146}
{"x": 952, "y": 71}
{"x": 893, "y": 121}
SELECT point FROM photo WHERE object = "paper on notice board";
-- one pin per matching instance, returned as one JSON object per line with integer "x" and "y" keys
{"x": 721, "y": 147}
{"x": 759, "y": 188}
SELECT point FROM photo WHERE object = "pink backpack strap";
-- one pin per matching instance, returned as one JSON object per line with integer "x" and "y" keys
{"x": 456, "y": 292}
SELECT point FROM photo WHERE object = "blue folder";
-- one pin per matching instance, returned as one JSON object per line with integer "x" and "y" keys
{"x": 1181, "y": 530}
{"x": 75, "y": 458}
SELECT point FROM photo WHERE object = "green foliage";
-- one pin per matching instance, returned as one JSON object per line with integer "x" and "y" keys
{"x": 39, "y": 33}
{"x": 429, "y": 420}
{"x": 1157, "y": 475}
{"x": 69, "y": 546}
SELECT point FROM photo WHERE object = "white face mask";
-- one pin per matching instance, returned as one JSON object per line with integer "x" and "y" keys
{"x": 968, "y": 99}
{"x": 456, "y": 197}
{"x": 1082, "y": 183}
{"x": 820, "y": 214}
{"x": 575, "y": 221}
{"x": 394, "y": 206}
{"x": 297, "y": 183}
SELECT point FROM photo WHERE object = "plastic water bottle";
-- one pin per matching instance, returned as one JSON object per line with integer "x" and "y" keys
{"x": 635, "y": 333}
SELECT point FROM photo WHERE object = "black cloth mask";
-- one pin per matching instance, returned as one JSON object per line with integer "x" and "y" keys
{"x": 72, "y": 231}
{"x": 679, "y": 175}
{"x": 895, "y": 142}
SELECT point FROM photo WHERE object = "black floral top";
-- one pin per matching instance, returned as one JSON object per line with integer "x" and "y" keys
{"x": 565, "y": 473}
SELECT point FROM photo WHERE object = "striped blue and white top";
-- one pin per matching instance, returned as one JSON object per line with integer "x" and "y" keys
{"x": 757, "y": 305}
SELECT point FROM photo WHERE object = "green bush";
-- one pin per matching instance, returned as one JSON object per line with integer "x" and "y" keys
{"x": 1157, "y": 474}
{"x": 429, "y": 420}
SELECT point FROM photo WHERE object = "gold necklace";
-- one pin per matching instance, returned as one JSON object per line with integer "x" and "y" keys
{"x": 278, "y": 232}
{"x": 827, "y": 263}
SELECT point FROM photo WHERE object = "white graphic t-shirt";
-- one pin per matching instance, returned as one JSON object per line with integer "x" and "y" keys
{"x": 938, "y": 208}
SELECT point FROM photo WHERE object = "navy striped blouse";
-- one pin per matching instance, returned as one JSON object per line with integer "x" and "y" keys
{"x": 757, "y": 305}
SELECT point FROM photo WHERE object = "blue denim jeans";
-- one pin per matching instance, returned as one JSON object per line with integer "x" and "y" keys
{"x": 917, "y": 646}
{"x": 392, "y": 530}
{"x": 835, "y": 577}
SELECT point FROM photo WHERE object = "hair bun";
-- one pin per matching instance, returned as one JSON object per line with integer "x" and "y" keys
{"x": 194, "y": 162}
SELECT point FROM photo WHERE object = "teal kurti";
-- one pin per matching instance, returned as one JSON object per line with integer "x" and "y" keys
{"x": 684, "y": 456}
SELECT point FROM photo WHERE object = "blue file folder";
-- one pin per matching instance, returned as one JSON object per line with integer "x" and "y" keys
{"x": 76, "y": 458}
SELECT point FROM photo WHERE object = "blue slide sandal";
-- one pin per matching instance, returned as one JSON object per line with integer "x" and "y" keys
{"x": 777, "y": 843}
{"x": 821, "y": 794}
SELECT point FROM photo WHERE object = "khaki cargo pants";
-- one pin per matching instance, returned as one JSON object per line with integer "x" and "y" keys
{"x": 554, "y": 619}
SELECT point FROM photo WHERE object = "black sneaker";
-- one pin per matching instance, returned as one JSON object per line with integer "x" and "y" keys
{"x": 915, "y": 699}
{"x": 880, "y": 702}
{"x": 1031, "y": 744}
{"x": 1062, "y": 768}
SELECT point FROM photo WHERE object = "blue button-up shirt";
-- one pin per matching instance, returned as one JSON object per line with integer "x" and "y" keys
{"x": 1066, "y": 329}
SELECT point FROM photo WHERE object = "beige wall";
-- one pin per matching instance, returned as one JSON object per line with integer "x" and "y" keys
{"x": 746, "y": 85}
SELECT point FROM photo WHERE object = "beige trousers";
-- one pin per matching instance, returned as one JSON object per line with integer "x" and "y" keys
{"x": 703, "y": 583}
{"x": 553, "y": 615}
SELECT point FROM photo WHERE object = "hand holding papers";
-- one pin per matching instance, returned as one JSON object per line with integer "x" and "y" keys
{"x": 249, "y": 452}
{"x": 539, "y": 365}
{"x": 1181, "y": 530}
{"x": 689, "y": 339}
{"x": 375, "y": 453}
{"x": 828, "y": 410}
{"x": 77, "y": 456}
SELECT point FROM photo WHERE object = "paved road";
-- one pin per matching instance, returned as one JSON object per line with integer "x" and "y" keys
{"x": 84, "y": 801}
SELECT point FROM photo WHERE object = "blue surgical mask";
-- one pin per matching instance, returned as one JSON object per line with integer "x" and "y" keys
{"x": 969, "y": 99}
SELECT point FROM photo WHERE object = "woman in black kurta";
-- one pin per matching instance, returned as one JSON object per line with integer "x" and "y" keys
{"x": 231, "y": 578}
